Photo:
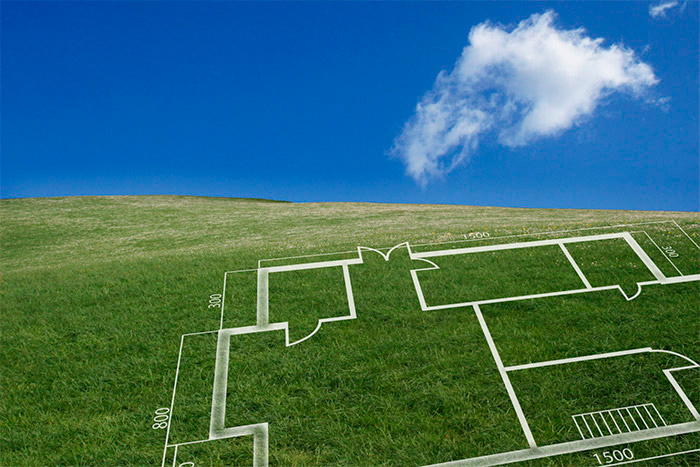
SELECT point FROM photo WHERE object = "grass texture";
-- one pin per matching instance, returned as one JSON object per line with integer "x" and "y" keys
{"x": 96, "y": 293}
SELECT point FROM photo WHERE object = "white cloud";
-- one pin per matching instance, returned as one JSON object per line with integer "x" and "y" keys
{"x": 533, "y": 81}
{"x": 661, "y": 9}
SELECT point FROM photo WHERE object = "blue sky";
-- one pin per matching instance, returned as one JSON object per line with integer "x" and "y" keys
{"x": 318, "y": 102}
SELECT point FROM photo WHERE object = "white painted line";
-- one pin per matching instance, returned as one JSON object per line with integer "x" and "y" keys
{"x": 189, "y": 442}
{"x": 348, "y": 290}
{"x": 650, "y": 416}
{"x": 606, "y": 423}
{"x": 351, "y": 308}
{"x": 218, "y": 399}
{"x": 659, "y": 414}
{"x": 241, "y": 270}
{"x": 572, "y": 446}
{"x": 661, "y": 279}
{"x": 614, "y": 421}
{"x": 587, "y": 426}
{"x": 576, "y": 268}
{"x": 263, "y": 313}
{"x": 263, "y": 319}
{"x": 610, "y": 413}
{"x": 201, "y": 332}
{"x": 578, "y": 428}
{"x": 555, "y": 232}
{"x": 578, "y": 359}
{"x": 515, "y": 246}
{"x": 311, "y": 256}
{"x": 506, "y": 380}
{"x": 663, "y": 253}
{"x": 356, "y": 260}
{"x": 317, "y": 265}
{"x": 172, "y": 400}
{"x": 260, "y": 431}
{"x": 655, "y": 457}
{"x": 682, "y": 395}
{"x": 419, "y": 290}
{"x": 223, "y": 302}
{"x": 644, "y": 257}
{"x": 260, "y": 446}
{"x": 522, "y": 297}
{"x": 217, "y": 424}
{"x": 596, "y": 424}
{"x": 666, "y": 280}
{"x": 632, "y": 417}
{"x": 670, "y": 352}
{"x": 683, "y": 368}
{"x": 685, "y": 278}
{"x": 623, "y": 419}
{"x": 686, "y": 234}
{"x": 175, "y": 457}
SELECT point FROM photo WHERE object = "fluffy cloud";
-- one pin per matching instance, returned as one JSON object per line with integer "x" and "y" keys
{"x": 660, "y": 9}
{"x": 519, "y": 85}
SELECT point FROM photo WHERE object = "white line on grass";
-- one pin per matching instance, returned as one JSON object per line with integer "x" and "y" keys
{"x": 217, "y": 423}
{"x": 314, "y": 255}
{"x": 575, "y": 266}
{"x": 577, "y": 359}
{"x": 506, "y": 380}
{"x": 671, "y": 352}
{"x": 587, "y": 426}
{"x": 614, "y": 421}
{"x": 241, "y": 270}
{"x": 541, "y": 233}
{"x": 675, "y": 280}
{"x": 623, "y": 419}
{"x": 189, "y": 442}
{"x": 596, "y": 424}
{"x": 659, "y": 414}
{"x": 263, "y": 303}
{"x": 218, "y": 399}
{"x": 640, "y": 416}
{"x": 348, "y": 290}
{"x": 578, "y": 428}
{"x": 522, "y": 297}
{"x": 172, "y": 401}
{"x": 515, "y": 246}
{"x": 260, "y": 430}
{"x": 606, "y": 423}
{"x": 644, "y": 257}
{"x": 682, "y": 395}
{"x": 573, "y": 446}
{"x": 650, "y": 416}
{"x": 655, "y": 457}
{"x": 459, "y": 241}
{"x": 317, "y": 265}
{"x": 351, "y": 308}
{"x": 663, "y": 253}
{"x": 632, "y": 417}
{"x": 201, "y": 332}
{"x": 686, "y": 234}
{"x": 223, "y": 302}
{"x": 661, "y": 279}
{"x": 683, "y": 368}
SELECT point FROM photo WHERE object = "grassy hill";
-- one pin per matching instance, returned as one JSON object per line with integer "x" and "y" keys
{"x": 97, "y": 291}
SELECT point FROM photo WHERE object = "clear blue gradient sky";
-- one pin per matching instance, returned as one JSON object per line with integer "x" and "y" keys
{"x": 303, "y": 101}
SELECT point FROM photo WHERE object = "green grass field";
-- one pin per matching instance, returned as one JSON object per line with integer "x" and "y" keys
{"x": 97, "y": 292}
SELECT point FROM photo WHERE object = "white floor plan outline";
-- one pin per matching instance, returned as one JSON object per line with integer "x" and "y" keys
{"x": 602, "y": 427}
